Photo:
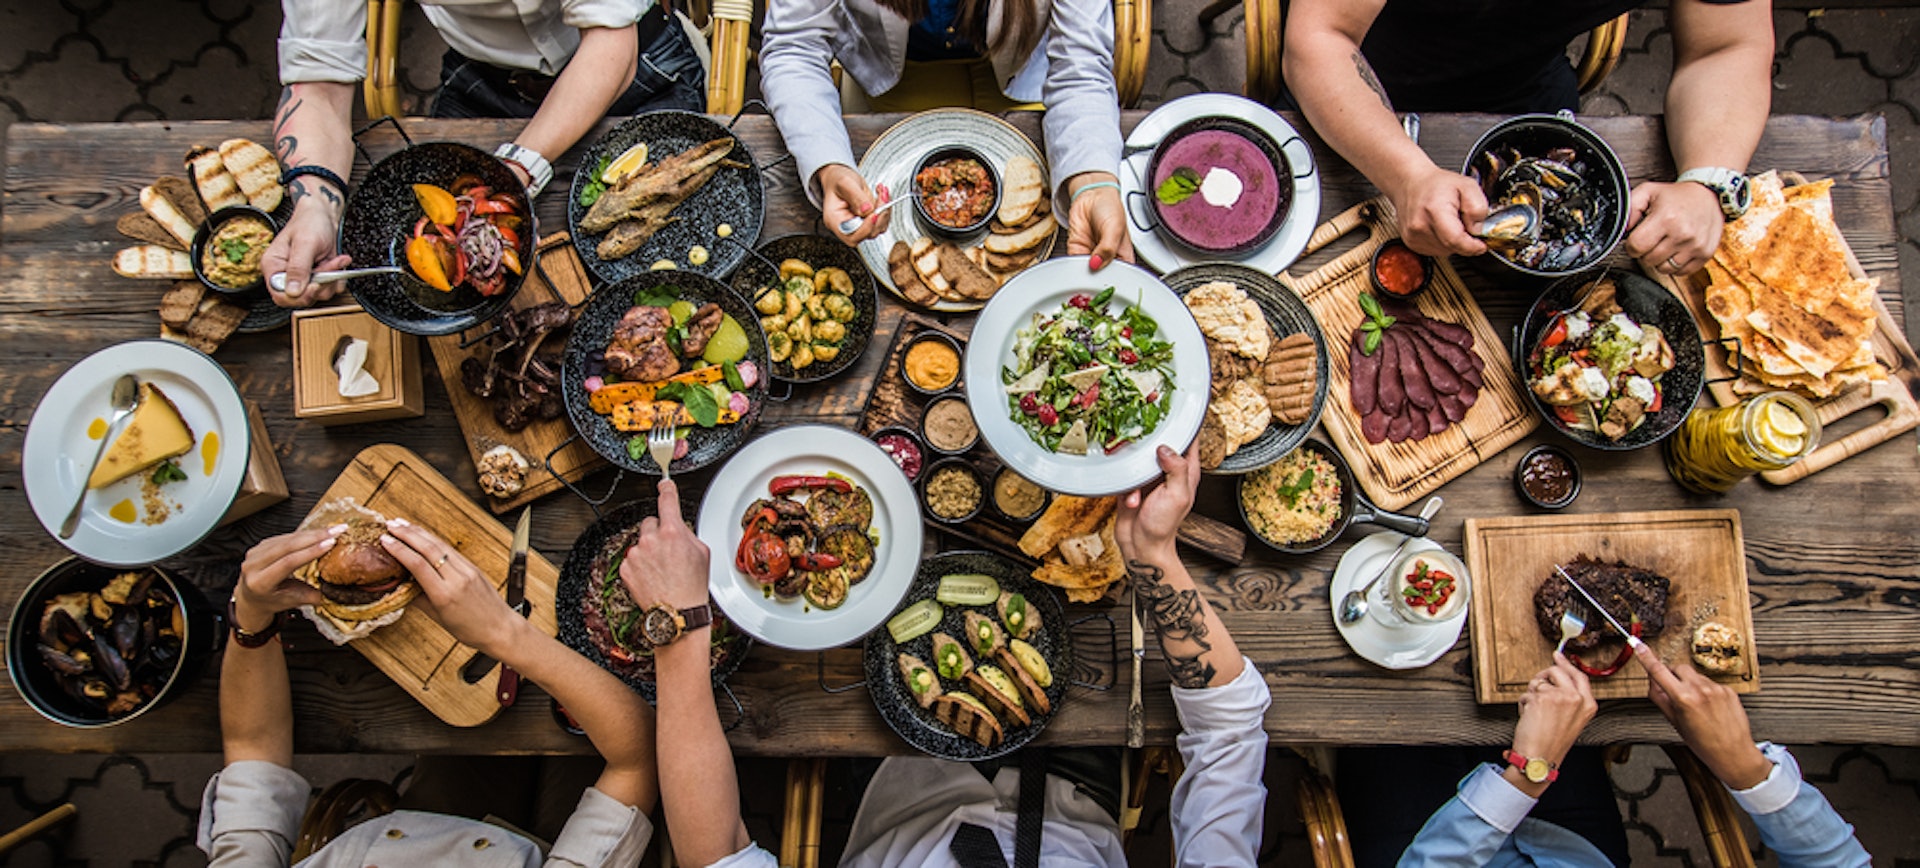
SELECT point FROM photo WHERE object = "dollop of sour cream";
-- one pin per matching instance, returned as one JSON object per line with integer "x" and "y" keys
{"x": 1221, "y": 188}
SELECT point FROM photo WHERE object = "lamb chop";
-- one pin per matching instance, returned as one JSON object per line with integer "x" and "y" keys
{"x": 524, "y": 383}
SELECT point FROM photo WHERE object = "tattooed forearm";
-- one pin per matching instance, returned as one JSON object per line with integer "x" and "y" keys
{"x": 285, "y": 144}
{"x": 1179, "y": 622}
{"x": 1365, "y": 69}
{"x": 297, "y": 191}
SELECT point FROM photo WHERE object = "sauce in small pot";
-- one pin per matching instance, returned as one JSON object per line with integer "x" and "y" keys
{"x": 903, "y": 451}
{"x": 956, "y": 192}
{"x": 1398, "y": 270}
{"x": 1548, "y": 477}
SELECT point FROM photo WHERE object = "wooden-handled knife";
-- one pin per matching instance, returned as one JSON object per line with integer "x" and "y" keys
{"x": 1136, "y": 713}
{"x": 509, "y": 688}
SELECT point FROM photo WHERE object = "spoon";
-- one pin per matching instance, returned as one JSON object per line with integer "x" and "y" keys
{"x": 126, "y": 396}
{"x": 1353, "y": 606}
{"x": 852, "y": 224}
{"x": 1516, "y": 222}
{"x": 279, "y": 281}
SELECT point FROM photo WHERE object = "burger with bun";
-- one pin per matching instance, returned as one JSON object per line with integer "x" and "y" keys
{"x": 358, "y": 578}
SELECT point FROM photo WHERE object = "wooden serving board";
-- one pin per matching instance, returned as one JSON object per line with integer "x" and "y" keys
{"x": 1700, "y": 550}
{"x": 1895, "y": 395}
{"x": 892, "y": 403}
{"x": 570, "y": 284}
{"x": 1397, "y": 474}
{"x": 417, "y": 653}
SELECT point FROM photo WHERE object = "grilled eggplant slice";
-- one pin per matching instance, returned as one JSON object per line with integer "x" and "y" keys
{"x": 1030, "y": 690}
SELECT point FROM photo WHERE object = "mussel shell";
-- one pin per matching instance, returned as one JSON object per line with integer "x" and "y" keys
{"x": 60, "y": 662}
{"x": 125, "y": 630}
{"x": 108, "y": 660}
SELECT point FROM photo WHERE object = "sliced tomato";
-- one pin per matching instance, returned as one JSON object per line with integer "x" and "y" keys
{"x": 1659, "y": 399}
{"x": 1567, "y": 415}
{"x": 1558, "y": 335}
{"x": 492, "y": 206}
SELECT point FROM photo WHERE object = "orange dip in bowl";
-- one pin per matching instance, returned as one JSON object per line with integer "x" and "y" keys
{"x": 932, "y": 365}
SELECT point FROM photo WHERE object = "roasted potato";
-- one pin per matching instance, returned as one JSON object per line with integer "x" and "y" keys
{"x": 841, "y": 308}
{"x": 776, "y": 323}
{"x": 801, "y": 330}
{"x": 817, "y": 306}
{"x": 833, "y": 280}
{"x": 795, "y": 268}
{"x": 802, "y": 356}
{"x": 771, "y": 301}
{"x": 825, "y": 352}
{"x": 828, "y": 330}
{"x": 779, "y": 346}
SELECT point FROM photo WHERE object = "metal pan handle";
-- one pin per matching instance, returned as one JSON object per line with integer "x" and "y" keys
{"x": 592, "y": 503}
{"x": 820, "y": 675}
{"x": 1309, "y": 158}
{"x": 1365, "y": 511}
{"x": 383, "y": 119}
{"x": 1739, "y": 358}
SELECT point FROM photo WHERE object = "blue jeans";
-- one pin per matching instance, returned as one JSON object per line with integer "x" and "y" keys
{"x": 669, "y": 76}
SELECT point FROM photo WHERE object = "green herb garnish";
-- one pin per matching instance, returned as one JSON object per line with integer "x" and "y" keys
{"x": 1376, "y": 323}
{"x": 659, "y": 296}
{"x": 234, "y": 249}
{"x": 168, "y": 471}
{"x": 1291, "y": 491}
{"x": 591, "y": 192}
{"x": 699, "y": 401}
{"x": 1178, "y": 187}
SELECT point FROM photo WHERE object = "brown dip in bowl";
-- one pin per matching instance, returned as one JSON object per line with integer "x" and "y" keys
{"x": 948, "y": 426}
{"x": 952, "y": 491}
{"x": 1016, "y": 496}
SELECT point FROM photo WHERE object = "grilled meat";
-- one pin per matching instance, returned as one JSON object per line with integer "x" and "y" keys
{"x": 639, "y": 348}
{"x": 699, "y": 329}
{"x": 1627, "y": 592}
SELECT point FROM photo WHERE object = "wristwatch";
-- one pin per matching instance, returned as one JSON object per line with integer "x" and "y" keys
{"x": 538, "y": 169}
{"x": 1729, "y": 184}
{"x": 253, "y": 640}
{"x": 1535, "y": 769}
{"x": 663, "y": 625}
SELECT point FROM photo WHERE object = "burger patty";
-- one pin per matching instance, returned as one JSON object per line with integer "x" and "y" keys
{"x": 1626, "y": 591}
{"x": 357, "y": 595}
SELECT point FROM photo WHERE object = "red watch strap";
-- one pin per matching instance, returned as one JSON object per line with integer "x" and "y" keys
{"x": 1520, "y": 762}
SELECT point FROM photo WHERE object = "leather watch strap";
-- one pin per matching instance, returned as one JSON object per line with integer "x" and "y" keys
{"x": 696, "y": 617}
{"x": 253, "y": 640}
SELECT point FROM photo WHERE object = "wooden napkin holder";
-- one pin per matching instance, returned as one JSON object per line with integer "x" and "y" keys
{"x": 393, "y": 359}
{"x": 264, "y": 485}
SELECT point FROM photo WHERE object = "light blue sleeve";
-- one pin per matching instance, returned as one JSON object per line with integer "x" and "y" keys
{"x": 1796, "y": 821}
{"x": 1472, "y": 826}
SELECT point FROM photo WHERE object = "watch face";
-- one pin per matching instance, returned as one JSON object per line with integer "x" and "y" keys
{"x": 660, "y": 627}
{"x": 1740, "y": 192}
{"x": 1536, "y": 770}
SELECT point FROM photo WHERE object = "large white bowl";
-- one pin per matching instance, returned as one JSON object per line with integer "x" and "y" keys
{"x": 1043, "y": 289}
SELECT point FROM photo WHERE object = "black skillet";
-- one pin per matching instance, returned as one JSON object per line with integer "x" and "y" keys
{"x": 1355, "y": 508}
{"x": 820, "y": 252}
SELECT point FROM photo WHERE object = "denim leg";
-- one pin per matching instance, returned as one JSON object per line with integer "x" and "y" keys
{"x": 669, "y": 76}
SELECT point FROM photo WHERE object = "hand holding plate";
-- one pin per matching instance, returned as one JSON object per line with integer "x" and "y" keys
{"x": 1150, "y": 517}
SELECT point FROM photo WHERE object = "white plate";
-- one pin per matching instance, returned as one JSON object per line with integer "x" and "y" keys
{"x": 892, "y": 157}
{"x": 811, "y": 450}
{"x": 1043, "y": 289}
{"x": 54, "y": 460}
{"x": 1164, "y": 254}
{"x": 1409, "y": 647}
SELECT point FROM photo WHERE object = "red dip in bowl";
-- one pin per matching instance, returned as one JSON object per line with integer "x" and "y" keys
{"x": 903, "y": 451}
{"x": 1213, "y": 215}
{"x": 956, "y": 192}
{"x": 1399, "y": 271}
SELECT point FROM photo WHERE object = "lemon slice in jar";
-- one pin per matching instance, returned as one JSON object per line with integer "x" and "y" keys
{"x": 1781, "y": 430}
{"x": 625, "y": 164}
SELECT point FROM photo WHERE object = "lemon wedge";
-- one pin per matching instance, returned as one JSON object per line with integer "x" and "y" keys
{"x": 1781, "y": 431}
{"x": 625, "y": 164}
{"x": 1782, "y": 419}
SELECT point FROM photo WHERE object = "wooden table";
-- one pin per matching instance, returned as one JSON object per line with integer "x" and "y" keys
{"x": 1832, "y": 561}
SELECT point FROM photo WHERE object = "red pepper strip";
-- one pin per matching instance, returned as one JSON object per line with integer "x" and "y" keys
{"x": 814, "y": 562}
{"x": 492, "y": 206}
{"x": 755, "y": 527}
{"x": 1626, "y": 653}
{"x": 789, "y": 484}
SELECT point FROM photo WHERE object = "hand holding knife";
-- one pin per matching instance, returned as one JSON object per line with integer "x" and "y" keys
{"x": 1632, "y": 640}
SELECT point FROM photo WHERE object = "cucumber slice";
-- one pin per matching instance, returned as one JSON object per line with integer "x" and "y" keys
{"x": 968, "y": 589}
{"x": 915, "y": 621}
{"x": 1031, "y": 661}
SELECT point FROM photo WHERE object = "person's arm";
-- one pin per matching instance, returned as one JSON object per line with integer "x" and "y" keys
{"x": 600, "y": 71}
{"x": 469, "y": 606}
{"x": 1717, "y": 104}
{"x": 1341, "y": 97}
{"x": 311, "y": 128}
{"x": 1082, "y": 125}
{"x": 1793, "y": 818}
{"x": 796, "y": 54}
{"x": 1473, "y": 825}
{"x": 1197, "y": 648}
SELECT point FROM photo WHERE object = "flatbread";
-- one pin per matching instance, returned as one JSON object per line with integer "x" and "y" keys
{"x": 1226, "y": 315}
{"x": 1067, "y": 516}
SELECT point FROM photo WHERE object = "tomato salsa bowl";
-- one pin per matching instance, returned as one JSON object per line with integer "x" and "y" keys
{"x": 956, "y": 191}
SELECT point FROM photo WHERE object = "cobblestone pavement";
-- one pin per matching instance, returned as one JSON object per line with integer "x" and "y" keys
{"x": 127, "y": 60}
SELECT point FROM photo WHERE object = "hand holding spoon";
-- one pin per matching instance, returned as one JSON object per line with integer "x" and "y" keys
{"x": 278, "y": 282}
{"x": 853, "y": 224}
{"x": 126, "y": 396}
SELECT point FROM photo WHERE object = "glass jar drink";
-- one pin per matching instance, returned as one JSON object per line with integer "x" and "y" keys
{"x": 1715, "y": 448}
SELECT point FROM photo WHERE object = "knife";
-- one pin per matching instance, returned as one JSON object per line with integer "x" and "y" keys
{"x": 1632, "y": 640}
{"x": 509, "y": 687}
{"x": 1136, "y": 714}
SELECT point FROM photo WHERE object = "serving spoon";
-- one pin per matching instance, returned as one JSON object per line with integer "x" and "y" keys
{"x": 126, "y": 396}
{"x": 852, "y": 224}
{"x": 278, "y": 281}
{"x": 1354, "y": 605}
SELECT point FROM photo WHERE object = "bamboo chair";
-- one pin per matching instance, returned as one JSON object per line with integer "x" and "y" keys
{"x": 800, "y": 825}
{"x": 1713, "y": 808}
{"x": 731, "y": 24}
{"x": 1265, "y": 32}
{"x": 36, "y": 827}
{"x": 1132, "y": 39}
{"x": 380, "y": 90}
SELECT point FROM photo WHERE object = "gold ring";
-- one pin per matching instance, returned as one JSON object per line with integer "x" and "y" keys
{"x": 442, "y": 561}
{"x": 1672, "y": 265}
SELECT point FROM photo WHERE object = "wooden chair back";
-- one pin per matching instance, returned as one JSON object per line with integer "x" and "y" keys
{"x": 380, "y": 90}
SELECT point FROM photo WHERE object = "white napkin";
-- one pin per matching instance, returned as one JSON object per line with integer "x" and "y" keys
{"x": 355, "y": 382}
{"x": 331, "y": 629}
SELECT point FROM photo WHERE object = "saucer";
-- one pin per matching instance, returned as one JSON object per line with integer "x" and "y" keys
{"x": 1409, "y": 647}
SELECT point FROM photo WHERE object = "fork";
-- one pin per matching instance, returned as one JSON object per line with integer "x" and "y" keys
{"x": 660, "y": 444}
{"x": 1571, "y": 625}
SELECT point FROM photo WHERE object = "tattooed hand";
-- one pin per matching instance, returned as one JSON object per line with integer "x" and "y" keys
{"x": 309, "y": 128}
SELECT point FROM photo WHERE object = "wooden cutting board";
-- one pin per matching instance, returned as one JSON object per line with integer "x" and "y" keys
{"x": 1397, "y": 474}
{"x": 1700, "y": 550}
{"x": 1895, "y": 395}
{"x": 569, "y": 283}
{"x": 417, "y": 653}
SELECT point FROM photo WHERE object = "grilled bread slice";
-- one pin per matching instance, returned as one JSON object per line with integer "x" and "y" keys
{"x": 997, "y": 690}
{"x": 1024, "y": 239}
{"x": 255, "y": 170}
{"x": 216, "y": 185}
{"x": 181, "y": 302}
{"x": 169, "y": 215}
{"x": 179, "y": 192}
{"x": 968, "y": 716}
{"x": 152, "y": 260}
{"x": 906, "y": 278}
{"x": 1022, "y": 186}
{"x": 140, "y": 226}
{"x": 965, "y": 276}
{"x": 1288, "y": 377}
{"x": 1030, "y": 690}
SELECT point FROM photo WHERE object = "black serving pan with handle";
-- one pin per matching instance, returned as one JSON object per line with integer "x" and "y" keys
{"x": 895, "y": 702}
{"x": 1355, "y": 508}
{"x": 819, "y": 252}
{"x": 1534, "y": 135}
{"x": 594, "y": 329}
{"x": 1648, "y": 304}
{"x": 1286, "y": 315}
{"x": 577, "y": 579}
{"x": 1283, "y": 178}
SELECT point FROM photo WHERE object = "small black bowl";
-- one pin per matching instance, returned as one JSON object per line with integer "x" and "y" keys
{"x": 932, "y": 470}
{"x": 1380, "y": 288}
{"x": 936, "y": 227}
{"x": 205, "y": 235}
{"x": 1547, "y": 450}
{"x": 927, "y": 438}
{"x": 959, "y": 355}
{"x": 920, "y": 449}
{"x": 1046, "y": 497}
{"x": 1276, "y": 159}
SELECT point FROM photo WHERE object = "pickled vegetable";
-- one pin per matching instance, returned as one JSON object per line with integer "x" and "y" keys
{"x": 915, "y": 621}
{"x": 729, "y": 343}
{"x": 968, "y": 589}
{"x": 1031, "y": 661}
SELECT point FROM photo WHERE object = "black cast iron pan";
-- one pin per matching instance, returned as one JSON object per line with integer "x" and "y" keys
{"x": 1355, "y": 508}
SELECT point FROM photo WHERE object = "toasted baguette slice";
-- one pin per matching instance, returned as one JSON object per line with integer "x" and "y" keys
{"x": 1030, "y": 690}
{"x": 153, "y": 261}
{"x": 906, "y": 278}
{"x": 1010, "y": 262}
{"x": 967, "y": 716}
{"x": 927, "y": 265}
{"x": 179, "y": 192}
{"x": 1005, "y": 703}
{"x": 255, "y": 171}
{"x": 1022, "y": 186}
{"x": 216, "y": 185}
{"x": 180, "y": 303}
{"x": 168, "y": 215}
{"x": 140, "y": 226}
{"x": 1024, "y": 239}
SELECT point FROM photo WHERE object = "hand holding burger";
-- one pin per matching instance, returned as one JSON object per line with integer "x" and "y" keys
{"x": 457, "y": 595}
{"x": 357, "y": 579}
{"x": 267, "y": 586}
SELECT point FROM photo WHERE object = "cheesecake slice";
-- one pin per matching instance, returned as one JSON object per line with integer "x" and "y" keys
{"x": 156, "y": 434}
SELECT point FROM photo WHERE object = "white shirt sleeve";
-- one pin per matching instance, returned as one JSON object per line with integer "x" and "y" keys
{"x": 752, "y": 856}
{"x": 582, "y": 14}
{"x": 1219, "y": 803}
{"x": 323, "y": 40}
{"x": 603, "y": 831}
{"x": 250, "y": 814}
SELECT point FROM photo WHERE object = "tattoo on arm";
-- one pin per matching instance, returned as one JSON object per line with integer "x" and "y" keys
{"x": 1179, "y": 623}
{"x": 284, "y": 144}
{"x": 1360, "y": 65}
{"x": 298, "y": 190}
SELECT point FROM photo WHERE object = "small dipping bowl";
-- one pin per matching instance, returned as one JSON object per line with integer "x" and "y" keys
{"x": 212, "y": 227}
{"x": 1547, "y": 477}
{"x": 928, "y": 344}
{"x": 944, "y": 413}
{"x": 1011, "y": 484}
{"x": 1399, "y": 273}
{"x": 940, "y": 473}
{"x": 943, "y": 230}
{"x": 905, "y": 448}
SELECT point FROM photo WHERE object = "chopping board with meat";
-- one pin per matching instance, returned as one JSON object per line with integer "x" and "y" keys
{"x": 1420, "y": 389}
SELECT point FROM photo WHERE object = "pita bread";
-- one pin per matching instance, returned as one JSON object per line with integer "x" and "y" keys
{"x": 1067, "y": 516}
{"x": 1108, "y": 568}
{"x": 1226, "y": 315}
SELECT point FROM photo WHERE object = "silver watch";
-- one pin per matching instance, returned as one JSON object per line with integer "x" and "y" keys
{"x": 1728, "y": 184}
{"x": 538, "y": 169}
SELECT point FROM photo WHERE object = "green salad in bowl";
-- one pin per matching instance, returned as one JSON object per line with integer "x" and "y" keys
{"x": 1089, "y": 377}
